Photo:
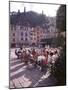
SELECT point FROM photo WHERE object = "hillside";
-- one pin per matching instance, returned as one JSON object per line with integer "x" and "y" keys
{"x": 28, "y": 18}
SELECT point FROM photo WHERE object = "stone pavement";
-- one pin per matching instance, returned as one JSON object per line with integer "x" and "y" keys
{"x": 22, "y": 75}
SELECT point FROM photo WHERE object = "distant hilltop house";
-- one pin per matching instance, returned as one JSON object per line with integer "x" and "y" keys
{"x": 30, "y": 28}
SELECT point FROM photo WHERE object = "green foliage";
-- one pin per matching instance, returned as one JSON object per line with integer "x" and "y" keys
{"x": 33, "y": 18}
{"x": 61, "y": 18}
{"x": 60, "y": 72}
{"x": 60, "y": 40}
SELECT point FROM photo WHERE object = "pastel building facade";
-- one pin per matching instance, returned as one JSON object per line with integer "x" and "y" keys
{"x": 25, "y": 35}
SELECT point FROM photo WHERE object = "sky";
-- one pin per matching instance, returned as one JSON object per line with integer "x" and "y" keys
{"x": 48, "y": 9}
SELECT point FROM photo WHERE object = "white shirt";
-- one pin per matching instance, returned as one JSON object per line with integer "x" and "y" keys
{"x": 41, "y": 57}
{"x": 49, "y": 58}
{"x": 54, "y": 58}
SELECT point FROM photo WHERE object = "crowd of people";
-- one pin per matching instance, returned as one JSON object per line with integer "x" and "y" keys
{"x": 38, "y": 57}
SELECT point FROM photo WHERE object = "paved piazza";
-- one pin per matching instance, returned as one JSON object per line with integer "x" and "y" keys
{"x": 23, "y": 76}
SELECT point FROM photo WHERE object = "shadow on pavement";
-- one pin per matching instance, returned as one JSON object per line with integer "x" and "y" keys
{"x": 15, "y": 63}
{"x": 17, "y": 68}
{"x": 33, "y": 74}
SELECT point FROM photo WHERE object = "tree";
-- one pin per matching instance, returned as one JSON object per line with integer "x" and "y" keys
{"x": 61, "y": 18}
{"x": 60, "y": 72}
{"x": 61, "y": 24}
{"x": 31, "y": 17}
